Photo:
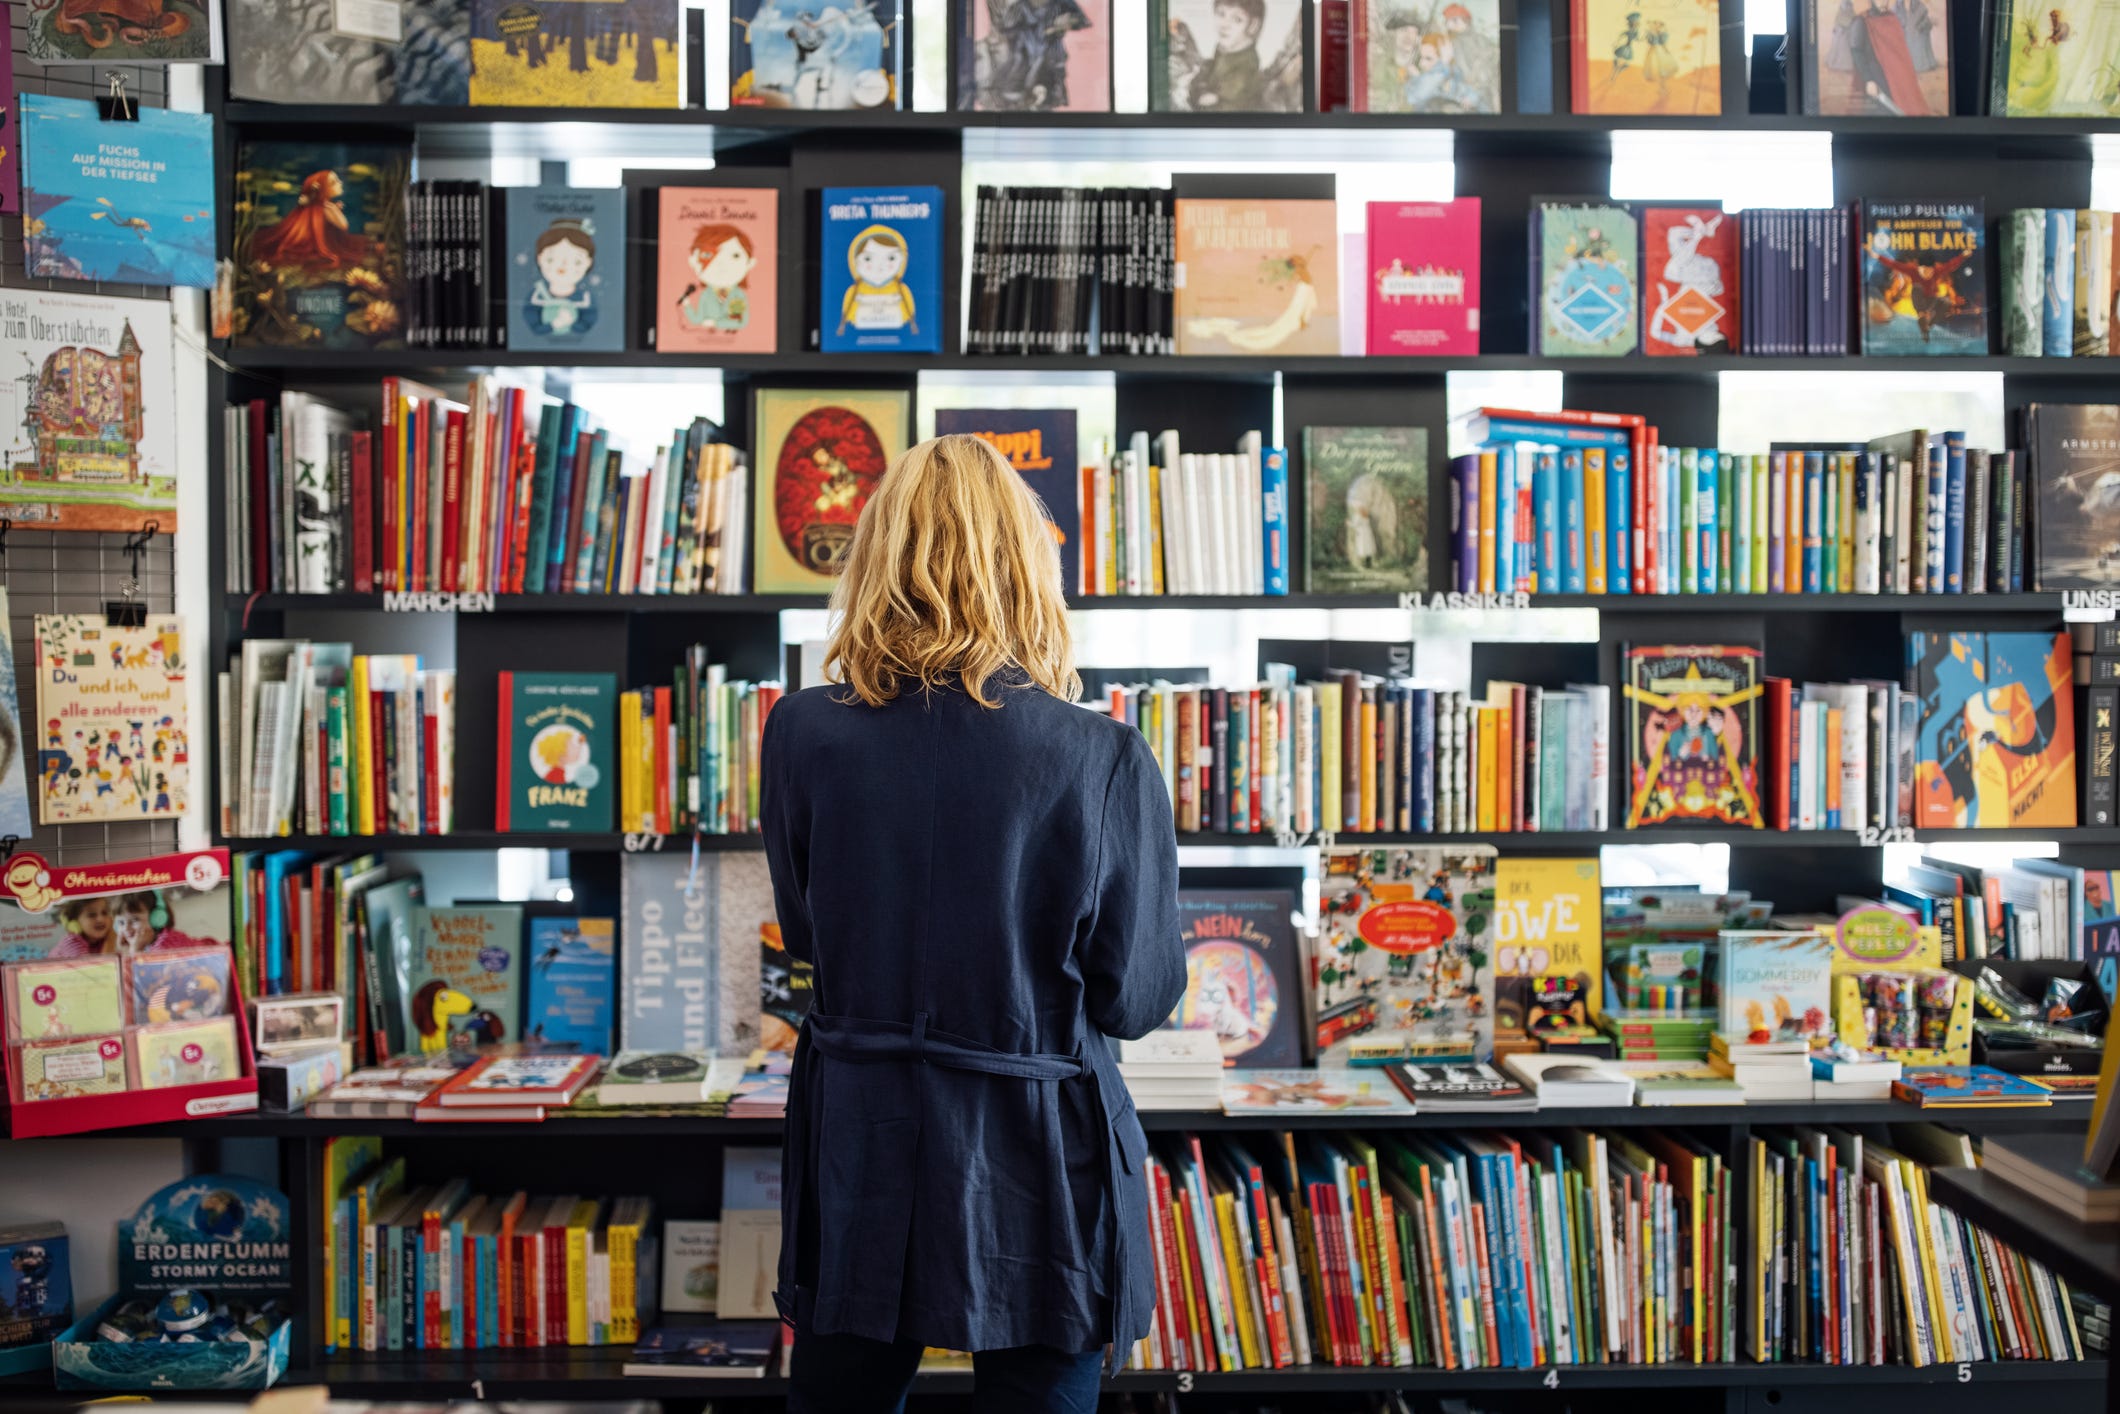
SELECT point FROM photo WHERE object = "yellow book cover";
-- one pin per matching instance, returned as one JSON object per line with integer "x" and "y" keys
{"x": 1366, "y": 741}
{"x": 1270, "y": 750}
{"x": 1113, "y": 518}
{"x": 1594, "y": 518}
{"x": 1548, "y": 941}
{"x": 1485, "y": 790}
{"x": 1758, "y": 1247}
{"x": 362, "y": 752}
{"x": 575, "y": 53}
{"x": 581, "y": 1221}
{"x": 1376, "y": 1338}
{"x": 1846, "y": 548}
{"x": 1489, "y": 469}
{"x": 1329, "y": 817}
{"x": 1502, "y": 697}
{"x": 1240, "y": 1312}
{"x": 1155, "y": 529}
{"x": 345, "y": 1155}
{"x": 1933, "y": 1273}
{"x": 1660, "y": 57}
{"x": 628, "y": 720}
{"x": 820, "y": 455}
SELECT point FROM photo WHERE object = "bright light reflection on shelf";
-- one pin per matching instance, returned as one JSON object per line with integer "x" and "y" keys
{"x": 2105, "y": 172}
{"x": 1739, "y": 169}
{"x": 1660, "y": 865}
{"x": 1898, "y": 858}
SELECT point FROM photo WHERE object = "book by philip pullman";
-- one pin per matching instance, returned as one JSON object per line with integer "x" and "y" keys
{"x": 1257, "y": 277}
{"x": 131, "y": 202}
{"x": 820, "y": 455}
{"x": 1689, "y": 280}
{"x": 1548, "y": 953}
{"x": 319, "y": 240}
{"x": 1241, "y": 56}
{"x": 1996, "y": 740}
{"x": 1367, "y": 530}
{"x": 556, "y": 767}
{"x": 566, "y": 259}
{"x": 1924, "y": 279}
{"x": 114, "y": 743}
{"x": 328, "y": 51}
{"x": 1040, "y": 444}
{"x": 1034, "y": 56}
{"x": 1692, "y": 724}
{"x": 1404, "y": 962}
{"x": 574, "y": 53}
{"x": 797, "y": 54}
{"x": 2075, "y": 449}
{"x": 1424, "y": 277}
{"x": 1242, "y": 974}
{"x": 1588, "y": 267}
{"x": 1645, "y": 56}
{"x": 1433, "y": 56}
{"x": 717, "y": 270}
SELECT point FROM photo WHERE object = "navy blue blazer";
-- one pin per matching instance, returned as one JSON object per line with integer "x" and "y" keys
{"x": 986, "y": 895}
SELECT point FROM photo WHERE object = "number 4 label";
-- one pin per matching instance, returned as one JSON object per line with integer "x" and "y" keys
{"x": 1552, "y": 1380}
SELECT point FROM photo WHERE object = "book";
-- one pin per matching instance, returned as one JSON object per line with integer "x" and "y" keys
{"x": 115, "y": 741}
{"x": 463, "y": 990}
{"x": 135, "y": 207}
{"x": 725, "y": 1350}
{"x": 2075, "y": 526}
{"x": 1040, "y": 444}
{"x": 1996, "y": 742}
{"x": 1924, "y": 282}
{"x": 178, "y": 983}
{"x": 664, "y": 1078}
{"x": 1242, "y": 974}
{"x": 1571, "y": 1082}
{"x": 344, "y": 54}
{"x": 566, "y": 261}
{"x": 125, "y": 32}
{"x": 1424, "y": 276}
{"x": 819, "y": 456}
{"x": 1476, "y": 1089}
{"x": 1692, "y": 724}
{"x": 65, "y": 996}
{"x": 574, "y": 53}
{"x": 1430, "y": 56}
{"x": 68, "y": 1068}
{"x": 319, "y": 240}
{"x": 67, "y": 344}
{"x": 1660, "y": 57}
{"x": 1257, "y": 276}
{"x": 185, "y": 1053}
{"x": 1662, "y": 1082}
{"x": 880, "y": 252}
{"x": 520, "y": 1079}
{"x": 1586, "y": 263}
{"x": 1054, "y": 56}
{"x": 2049, "y": 65}
{"x": 390, "y": 1091}
{"x": 691, "y": 1265}
{"x": 717, "y": 269}
{"x": 1883, "y": 60}
{"x": 556, "y": 752}
{"x": 750, "y": 1233}
{"x": 671, "y": 947}
{"x": 2050, "y": 1168}
{"x": 1690, "y": 297}
{"x": 1327, "y": 1090}
{"x": 2020, "y": 293}
{"x": 572, "y": 966}
{"x": 1548, "y": 944}
{"x": 1367, "y": 527}
{"x": 1250, "y": 62}
{"x": 1968, "y": 1086}
{"x": 787, "y": 55}
{"x": 1402, "y": 969}
{"x": 1775, "y": 986}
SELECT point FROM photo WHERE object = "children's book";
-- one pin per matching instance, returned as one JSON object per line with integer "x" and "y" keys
{"x": 2076, "y": 525}
{"x": 1996, "y": 737}
{"x": 1924, "y": 278}
{"x": 1424, "y": 277}
{"x": 1404, "y": 966}
{"x": 750, "y": 1232}
{"x": 787, "y": 54}
{"x": 123, "y": 32}
{"x": 1437, "y": 1088}
{"x": 717, "y": 270}
{"x": 575, "y": 53}
{"x": 566, "y": 259}
{"x": 1367, "y": 530}
{"x": 1776, "y": 986}
{"x": 881, "y": 258}
{"x": 1242, "y": 972}
{"x": 69, "y": 1068}
{"x": 1547, "y": 940}
{"x": 1432, "y": 56}
{"x": 1659, "y": 1082}
{"x": 556, "y": 760}
{"x": 1689, "y": 280}
{"x": 573, "y": 966}
{"x": 691, "y": 1263}
{"x": 1587, "y": 259}
{"x": 1040, "y": 444}
{"x": 671, "y": 953}
{"x": 1349, "y": 1090}
{"x": 725, "y": 1350}
{"x": 319, "y": 239}
{"x": 1884, "y": 59}
{"x": 37, "y": 1256}
{"x": 464, "y": 988}
{"x": 2050, "y": 62}
{"x": 410, "y": 54}
{"x": 1967, "y": 1086}
{"x": 71, "y": 996}
{"x": 1693, "y": 725}
{"x": 1661, "y": 57}
{"x": 179, "y": 984}
{"x": 1257, "y": 276}
{"x": 819, "y": 457}
{"x": 1034, "y": 56}
{"x": 657, "y": 1078}
{"x": 131, "y": 202}
{"x": 1225, "y": 56}
{"x": 519, "y": 1079}
{"x": 115, "y": 743}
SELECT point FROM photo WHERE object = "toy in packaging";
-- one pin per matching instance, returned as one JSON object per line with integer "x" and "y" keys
{"x": 186, "y": 1053}
{"x": 64, "y": 997}
{"x": 179, "y": 984}
{"x": 36, "y": 1294}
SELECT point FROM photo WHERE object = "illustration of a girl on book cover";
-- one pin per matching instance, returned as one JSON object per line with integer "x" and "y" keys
{"x": 1693, "y": 755}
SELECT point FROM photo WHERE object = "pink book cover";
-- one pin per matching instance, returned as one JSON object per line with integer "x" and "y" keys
{"x": 1424, "y": 277}
{"x": 717, "y": 266}
{"x": 1055, "y": 60}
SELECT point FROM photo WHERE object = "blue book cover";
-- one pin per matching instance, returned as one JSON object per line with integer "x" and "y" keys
{"x": 1273, "y": 491}
{"x": 1619, "y": 522}
{"x": 1705, "y": 482}
{"x": 788, "y": 54}
{"x": 2058, "y": 313}
{"x": 1421, "y": 705}
{"x": 1040, "y": 443}
{"x": 1814, "y": 522}
{"x": 1465, "y": 521}
{"x": 573, "y": 979}
{"x": 566, "y": 268}
{"x": 1924, "y": 281}
{"x": 1546, "y": 504}
{"x": 881, "y": 249}
{"x": 132, "y": 202}
{"x": 1954, "y": 513}
{"x": 1506, "y": 458}
{"x": 1575, "y": 568}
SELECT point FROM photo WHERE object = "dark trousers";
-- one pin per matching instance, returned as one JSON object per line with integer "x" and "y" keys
{"x": 851, "y": 1374}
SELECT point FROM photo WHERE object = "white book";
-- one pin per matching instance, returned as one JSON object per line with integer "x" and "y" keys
{"x": 652, "y": 518}
{"x": 314, "y": 506}
{"x": 1866, "y": 526}
{"x": 1097, "y": 554}
{"x": 1177, "y": 575}
{"x": 1141, "y": 527}
{"x": 736, "y": 550}
{"x": 1852, "y": 701}
{"x": 1197, "y": 535}
{"x": 1903, "y": 507}
{"x": 439, "y": 695}
{"x": 313, "y": 709}
{"x": 1597, "y": 700}
{"x": 287, "y": 748}
{"x": 1132, "y": 485}
{"x": 1252, "y": 526}
{"x": 1216, "y": 538}
{"x": 263, "y": 660}
{"x": 225, "y": 758}
{"x": 1807, "y": 778}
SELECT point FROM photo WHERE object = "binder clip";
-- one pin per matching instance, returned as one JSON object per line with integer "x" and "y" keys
{"x": 130, "y": 610}
{"x": 117, "y": 106}
{"x": 7, "y": 847}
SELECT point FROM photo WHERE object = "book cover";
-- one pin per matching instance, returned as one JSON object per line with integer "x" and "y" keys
{"x": 1645, "y": 56}
{"x": 1693, "y": 751}
{"x": 95, "y": 362}
{"x": 1040, "y": 444}
{"x": 115, "y": 743}
{"x": 1424, "y": 276}
{"x": 1460, "y": 1087}
{"x": 1931, "y": 1086}
{"x": 319, "y": 240}
{"x": 2077, "y": 520}
{"x": 1689, "y": 280}
{"x": 566, "y": 262}
{"x": 573, "y": 975}
{"x": 1365, "y": 1090}
{"x": 786, "y": 985}
{"x": 186, "y": 1053}
{"x": 1367, "y": 526}
{"x": 14, "y": 760}
{"x": 1924, "y": 286}
{"x": 1548, "y": 948}
{"x": 2021, "y": 291}
{"x": 670, "y": 942}
{"x": 750, "y": 1233}
{"x": 10, "y": 137}
{"x": 519, "y": 1078}
{"x": 1588, "y": 265}
{"x": 556, "y": 756}
{"x": 881, "y": 258}
{"x": 1241, "y": 974}
{"x": 131, "y": 202}
{"x": 691, "y": 1259}
{"x": 1878, "y": 58}
{"x": 717, "y": 270}
{"x": 819, "y": 456}
{"x": 1257, "y": 277}
{"x": 1235, "y": 58}
{"x": 574, "y": 53}
{"x": 733, "y": 1349}
{"x": 1776, "y": 986}
{"x": 1403, "y": 967}
{"x": 74, "y": 996}
{"x": 123, "y": 32}
{"x": 1034, "y": 56}
{"x": 786, "y": 54}
{"x": 318, "y": 52}
{"x": 2053, "y": 62}
{"x": 1433, "y": 56}
{"x": 66, "y": 1069}
{"x": 464, "y": 989}
{"x": 1996, "y": 744}
{"x": 176, "y": 983}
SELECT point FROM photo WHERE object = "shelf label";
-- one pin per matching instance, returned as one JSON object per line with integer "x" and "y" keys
{"x": 404, "y": 601}
{"x": 1552, "y": 1380}
{"x": 635, "y": 843}
{"x": 1299, "y": 839}
{"x": 1886, "y": 834}
{"x": 1965, "y": 1373}
{"x": 1185, "y": 1382}
{"x": 1455, "y": 599}
{"x": 2107, "y": 599}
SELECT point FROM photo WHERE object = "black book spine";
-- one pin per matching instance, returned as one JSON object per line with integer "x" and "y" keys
{"x": 2098, "y": 780}
{"x": 1219, "y": 775}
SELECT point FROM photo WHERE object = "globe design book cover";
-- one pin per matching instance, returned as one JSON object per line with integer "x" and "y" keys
{"x": 1689, "y": 281}
{"x": 881, "y": 250}
{"x": 566, "y": 268}
{"x": 1424, "y": 277}
{"x": 1404, "y": 964}
{"x": 574, "y": 53}
{"x": 1645, "y": 56}
{"x": 1433, "y": 56}
{"x": 114, "y": 744}
{"x": 319, "y": 240}
{"x": 1040, "y": 444}
{"x": 1924, "y": 281}
{"x": 717, "y": 270}
{"x": 1367, "y": 530}
{"x": 131, "y": 202}
{"x": 793, "y": 54}
{"x": 1880, "y": 58}
{"x": 820, "y": 455}
{"x": 1692, "y": 725}
{"x": 555, "y": 752}
{"x": 1588, "y": 269}
{"x": 1257, "y": 277}
{"x": 326, "y": 51}
{"x": 1035, "y": 56}
{"x": 1242, "y": 974}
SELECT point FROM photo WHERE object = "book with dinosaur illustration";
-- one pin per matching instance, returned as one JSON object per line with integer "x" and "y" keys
{"x": 1257, "y": 277}
{"x": 464, "y": 989}
{"x": 1242, "y": 972}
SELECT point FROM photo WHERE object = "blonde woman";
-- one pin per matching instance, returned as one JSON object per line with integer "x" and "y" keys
{"x": 984, "y": 877}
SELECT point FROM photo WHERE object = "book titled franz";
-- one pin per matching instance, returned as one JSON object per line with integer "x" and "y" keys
{"x": 555, "y": 751}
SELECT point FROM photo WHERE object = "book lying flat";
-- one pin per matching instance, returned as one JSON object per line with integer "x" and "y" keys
{"x": 720, "y": 1350}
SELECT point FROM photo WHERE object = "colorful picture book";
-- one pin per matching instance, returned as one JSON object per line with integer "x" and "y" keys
{"x": 15, "y": 757}
{"x": 319, "y": 239}
{"x": 1040, "y": 444}
{"x": 820, "y": 455}
{"x": 114, "y": 744}
{"x": 785, "y": 54}
{"x": 2074, "y": 519}
{"x": 881, "y": 258}
{"x": 173, "y": 983}
{"x": 1367, "y": 527}
{"x": 74, "y": 996}
{"x": 1424, "y": 277}
{"x": 1660, "y": 57}
{"x": 566, "y": 268}
{"x": 1034, "y": 56}
{"x": 717, "y": 270}
{"x": 1257, "y": 277}
{"x": 1548, "y": 949}
{"x": 556, "y": 752}
{"x": 186, "y": 1053}
{"x": 1692, "y": 720}
{"x": 575, "y": 53}
{"x": 1229, "y": 58}
{"x": 1586, "y": 257}
{"x": 465, "y": 987}
{"x": 1775, "y": 986}
{"x": 1997, "y": 734}
{"x": 1242, "y": 974}
{"x": 127, "y": 202}
{"x": 124, "y": 32}
{"x": 573, "y": 975}
{"x": 323, "y": 51}
{"x": 1354, "y": 1091}
{"x": 1689, "y": 280}
{"x": 1404, "y": 964}
{"x": 1880, "y": 58}
{"x": 1428, "y": 56}
{"x": 2051, "y": 63}
{"x": 1924, "y": 278}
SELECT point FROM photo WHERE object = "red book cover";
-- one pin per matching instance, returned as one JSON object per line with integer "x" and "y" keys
{"x": 260, "y": 527}
{"x": 1333, "y": 28}
{"x": 422, "y": 468}
{"x": 1325, "y": 1343}
{"x": 1779, "y": 753}
{"x": 392, "y": 471}
{"x": 378, "y": 765}
{"x": 659, "y": 760}
{"x": 1203, "y": 1316}
{"x": 361, "y": 456}
{"x": 508, "y": 1077}
{"x": 431, "y": 782}
{"x": 452, "y": 527}
{"x": 431, "y": 1295}
{"x": 1090, "y": 583}
{"x": 530, "y": 1275}
{"x": 503, "y": 785}
{"x": 1689, "y": 281}
{"x": 1640, "y": 492}
{"x": 1424, "y": 277}
{"x": 525, "y": 474}
{"x": 1171, "y": 1310}
{"x": 556, "y": 1274}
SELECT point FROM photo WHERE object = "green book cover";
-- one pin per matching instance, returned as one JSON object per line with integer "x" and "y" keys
{"x": 592, "y": 522}
{"x": 557, "y": 751}
{"x": 2023, "y": 285}
{"x": 467, "y": 978}
{"x": 392, "y": 930}
{"x": 1368, "y": 513}
{"x": 1730, "y": 477}
{"x": 1688, "y": 520}
{"x": 1553, "y": 760}
{"x": 335, "y": 780}
{"x": 1588, "y": 268}
{"x": 541, "y": 475}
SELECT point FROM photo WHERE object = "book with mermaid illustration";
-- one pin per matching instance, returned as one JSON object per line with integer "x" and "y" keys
{"x": 1257, "y": 277}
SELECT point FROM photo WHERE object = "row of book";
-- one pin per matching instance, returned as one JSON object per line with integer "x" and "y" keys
{"x": 1072, "y": 270}
{"x": 1158, "y": 520}
{"x": 690, "y": 753}
{"x": 2057, "y": 283}
{"x": 451, "y": 236}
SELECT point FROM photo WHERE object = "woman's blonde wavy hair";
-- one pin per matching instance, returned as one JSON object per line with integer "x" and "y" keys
{"x": 953, "y": 574}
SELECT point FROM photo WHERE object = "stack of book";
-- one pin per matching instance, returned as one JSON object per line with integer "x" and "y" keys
{"x": 2056, "y": 295}
{"x": 1797, "y": 279}
{"x": 451, "y": 232}
{"x": 2097, "y": 673}
{"x": 1173, "y": 1070}
{"x": 1677, "y": 1036}
{"x": 2050, "y": 1167}
{"x": 1159, "y": 520}
{"x": 689, "y": 752}
{"x": 1769, "y": 1072}
{"x": 1055, "y": 269}
{"x": 1835, "y": 1077}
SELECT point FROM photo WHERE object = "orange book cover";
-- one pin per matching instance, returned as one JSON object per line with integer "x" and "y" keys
{"x": 1257, "y": 277}
{"x": 1645, "y": 56}
{"x": 717, "y": 270}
